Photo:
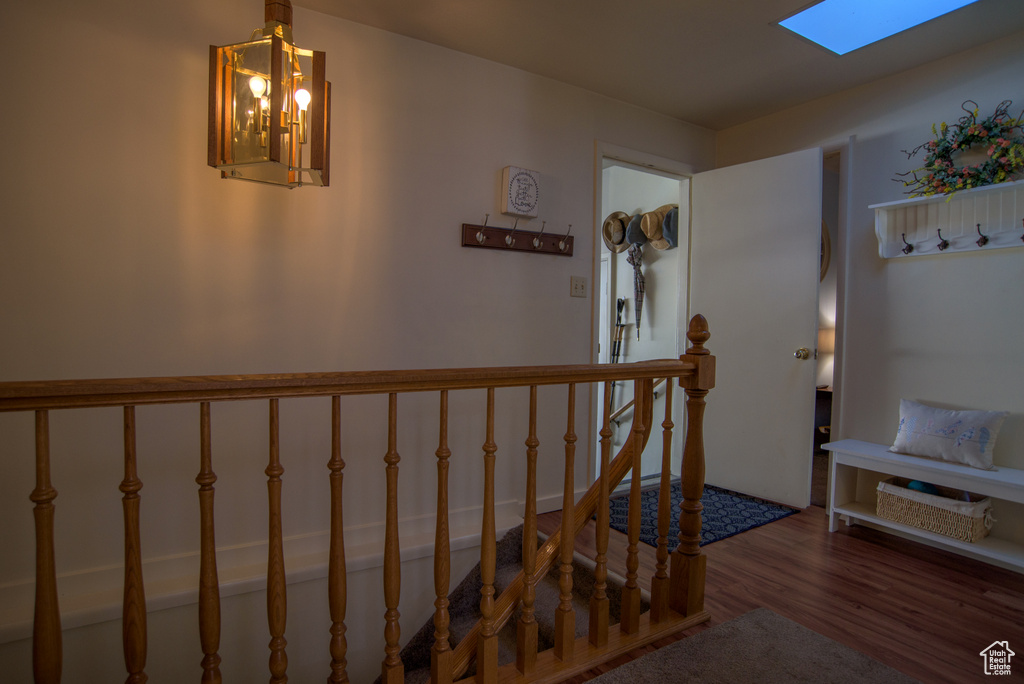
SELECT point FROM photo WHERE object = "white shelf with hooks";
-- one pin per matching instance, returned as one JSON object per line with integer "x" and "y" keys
{"x": 997, "y": 211}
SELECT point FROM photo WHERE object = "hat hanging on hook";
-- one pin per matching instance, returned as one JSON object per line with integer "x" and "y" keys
{"x": 634, "y": 233}
{"x": 659, "y": 227}
{"x": 614, "y": 231}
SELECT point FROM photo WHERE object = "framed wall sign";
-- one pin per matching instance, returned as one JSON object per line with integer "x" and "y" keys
{"x": 520, "y": 192}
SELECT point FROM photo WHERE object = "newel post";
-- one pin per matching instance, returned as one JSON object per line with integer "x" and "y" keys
{"x": 686, "y": 595}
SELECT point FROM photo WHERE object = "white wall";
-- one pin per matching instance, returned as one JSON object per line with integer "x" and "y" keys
{"x": 123, "y": 254}
{"x": 942, "y": 329}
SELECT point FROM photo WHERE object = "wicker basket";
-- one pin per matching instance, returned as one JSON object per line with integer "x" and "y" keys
{"x": 957, "y": 514}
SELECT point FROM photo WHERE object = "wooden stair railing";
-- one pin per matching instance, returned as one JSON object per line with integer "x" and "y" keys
{"x": 677, "y": 590}
{"x": 619, "y": 412}
{"x": 545, "y": 556}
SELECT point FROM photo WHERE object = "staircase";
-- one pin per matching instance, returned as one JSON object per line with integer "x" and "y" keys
{"x": 534, "y": 620}
{"x": 464, "y": 608}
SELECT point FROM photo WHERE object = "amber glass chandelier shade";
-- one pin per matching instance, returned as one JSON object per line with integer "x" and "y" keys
{"x": 270, "y": 111}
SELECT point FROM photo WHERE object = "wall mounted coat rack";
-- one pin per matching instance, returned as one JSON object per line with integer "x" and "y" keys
{"x": 513, "y": 239}
{"x": 987, "y": 218}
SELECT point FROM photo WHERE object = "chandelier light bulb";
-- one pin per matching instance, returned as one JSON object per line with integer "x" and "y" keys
{"x": 302, "y": 98}
{"x": 258, "y": 86}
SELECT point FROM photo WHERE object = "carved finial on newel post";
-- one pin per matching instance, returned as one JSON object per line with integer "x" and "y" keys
{"x": 698, "y": 334}
{"x": 686, "y": 595}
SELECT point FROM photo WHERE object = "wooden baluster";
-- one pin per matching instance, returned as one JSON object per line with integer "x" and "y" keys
{"x": 599, "y": 599}
{"x": 487, "y": 645}
{"x": 659, "y": 583}
{"x": 133, "y": 621}
{"x": 565, "y": 615}
{"x": 686, "y": 595}
{"x": 441, "y": 652}
{"x": 277, "y": 607}
{"x": 630, "y": 617}
{"x": 47, "y": 646}
{"x": 526, "y": 629}
{"x": 337, "y": 591}
{"x": 547, "y": 552}
{"x": 393, "y": 671}
{"x": 209, "y": 584}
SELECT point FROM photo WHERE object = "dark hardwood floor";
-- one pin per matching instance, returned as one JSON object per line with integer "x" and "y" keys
{"x": 920, "y": 610}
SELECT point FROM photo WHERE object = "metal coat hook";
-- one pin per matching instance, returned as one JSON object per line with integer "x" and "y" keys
{"x": 982, "y": 238}
{"x": 909, "y": 247}
{"x": 537, "y": 244}
{"x": 510, "y": 239}
{"x": 943, "y": 244}
{"x": 562, "y": 244}
{"x": 480, "y": 237}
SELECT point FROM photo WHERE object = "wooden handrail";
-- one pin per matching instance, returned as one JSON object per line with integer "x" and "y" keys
{"x": 629, "y": 404}
{"x": 680, "y": 596}
{"x": 57, "y": 394}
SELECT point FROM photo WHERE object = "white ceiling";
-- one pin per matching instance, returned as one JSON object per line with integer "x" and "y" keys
{"x": 715, "y": 63}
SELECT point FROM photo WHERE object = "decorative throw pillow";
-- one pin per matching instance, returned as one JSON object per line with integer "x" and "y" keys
{"x": 966, "y": 437}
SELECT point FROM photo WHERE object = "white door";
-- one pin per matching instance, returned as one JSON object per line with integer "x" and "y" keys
{"x": 755, "y": 251}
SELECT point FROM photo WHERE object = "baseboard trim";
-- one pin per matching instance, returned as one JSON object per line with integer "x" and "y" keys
{"x": 95, "y": 595}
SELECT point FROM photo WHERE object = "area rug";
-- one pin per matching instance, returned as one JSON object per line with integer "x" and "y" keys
{"x": 760, "y": 647}
{"x": 725, "y": 514}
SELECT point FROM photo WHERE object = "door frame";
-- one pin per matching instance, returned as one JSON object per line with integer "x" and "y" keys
{"x": 840, "y": 252}
{"x": 649, "y": 163}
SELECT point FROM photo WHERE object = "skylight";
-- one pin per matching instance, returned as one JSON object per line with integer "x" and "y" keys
{"x": 845, "y": 25}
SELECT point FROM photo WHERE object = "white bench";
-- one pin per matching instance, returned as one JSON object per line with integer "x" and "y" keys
{"x": 851, "y": 457}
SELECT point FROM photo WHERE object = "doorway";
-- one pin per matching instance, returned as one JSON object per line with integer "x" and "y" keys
{"x": 752, "y": 266}
{"x": 827, "y": 317}
{"x": 634, "y": 183}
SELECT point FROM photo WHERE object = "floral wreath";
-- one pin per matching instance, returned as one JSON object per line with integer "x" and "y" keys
{"x": 1001, "y": 135}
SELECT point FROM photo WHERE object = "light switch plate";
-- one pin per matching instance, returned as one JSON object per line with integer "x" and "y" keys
{"x": 577, "y": 286}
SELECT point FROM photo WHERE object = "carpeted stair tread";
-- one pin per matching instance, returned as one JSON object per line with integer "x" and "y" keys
{"x": 464, "y": 609}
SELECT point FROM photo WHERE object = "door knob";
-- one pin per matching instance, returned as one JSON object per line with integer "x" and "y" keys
{"x": 803, "y": 353}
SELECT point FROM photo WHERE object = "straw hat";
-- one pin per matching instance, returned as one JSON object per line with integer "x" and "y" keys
{"x": 653, "y": 224}
{"x": 614, "y": 231}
